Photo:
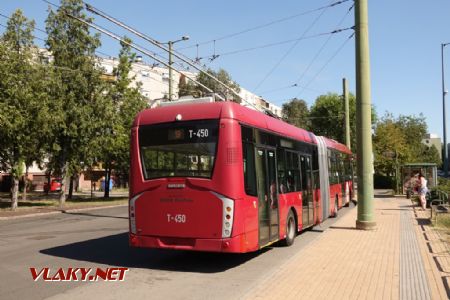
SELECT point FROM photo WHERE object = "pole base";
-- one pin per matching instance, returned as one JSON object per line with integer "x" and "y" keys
{"x": 366, "y": 225}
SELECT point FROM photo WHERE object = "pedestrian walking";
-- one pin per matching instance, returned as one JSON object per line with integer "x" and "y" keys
{"x": 423, "y": 190}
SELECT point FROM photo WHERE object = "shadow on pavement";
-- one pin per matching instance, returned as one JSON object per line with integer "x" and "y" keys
{"x": 342, "y": 227}
{"x": 394, "y": 209}
{"x": 378, "y": 196}
{"x": 423, "y": 221}
{"x": 114, "y": 250}
{"x": 92, "y": 215}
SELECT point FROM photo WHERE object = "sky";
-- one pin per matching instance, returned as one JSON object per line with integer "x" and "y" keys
{"x": 290, "y": 51}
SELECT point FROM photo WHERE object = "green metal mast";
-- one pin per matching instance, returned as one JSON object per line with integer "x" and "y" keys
{"x": 364, "y": 164}
{"x": 347, "y": 113}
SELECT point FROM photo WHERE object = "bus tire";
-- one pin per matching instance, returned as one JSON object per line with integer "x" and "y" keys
{"x": 291, "y": 229}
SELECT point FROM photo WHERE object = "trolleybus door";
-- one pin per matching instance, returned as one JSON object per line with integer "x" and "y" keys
{"x": 265, "y": 163}
{"x": 307, "y": 192}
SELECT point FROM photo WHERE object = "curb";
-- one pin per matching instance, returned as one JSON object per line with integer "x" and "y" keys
{"x": 74, "y": 210}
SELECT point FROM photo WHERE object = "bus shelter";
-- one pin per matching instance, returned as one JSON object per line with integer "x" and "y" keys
{"x": 409, "y": 173}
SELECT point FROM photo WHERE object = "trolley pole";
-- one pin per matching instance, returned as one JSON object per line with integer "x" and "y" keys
{"x": 364, "y": 162}
{"x": 347, "y": 113}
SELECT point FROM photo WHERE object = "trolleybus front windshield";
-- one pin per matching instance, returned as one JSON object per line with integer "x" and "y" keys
{"x": 181, "y": 149}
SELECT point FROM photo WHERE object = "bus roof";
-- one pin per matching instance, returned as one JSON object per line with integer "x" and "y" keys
{"x": 229, "y": 110}
{"x": 336, "y": 145}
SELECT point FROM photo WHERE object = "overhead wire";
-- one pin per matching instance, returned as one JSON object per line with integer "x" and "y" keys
{"x": 181, "y": 56}
{"x": 175, "y": 53}
{"x": 98, "y": 52}
{"x": 33, "y": 36}
{"x": 161, "y": 46}
{"x": 227, "y": 36}
{"x": 295, "y": 85}
{"x": 327, "y": 63}
{"x": 267, "y": 24}
{"x": 277, "y": 64}
{"x": 300, "y": 78}
{"x": 215, "y": 56}
{"x": 132, "y": 45}
{"x": 36, "y": 28}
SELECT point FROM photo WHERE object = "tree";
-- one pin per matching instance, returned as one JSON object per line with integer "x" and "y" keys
{"x": 76, "y": 89}
{"x": 223, "y": 77}
{"x": 22, "y": 99}
{"x": 120, "y": 105}
{"x": 429, "y": 154}
{"x": 327, "y": 117}
{"x": 401, "y": 138}
{"x": 296, "y": 112}
{"x": 389, "y": 144}
{"x": 187, "y": 87}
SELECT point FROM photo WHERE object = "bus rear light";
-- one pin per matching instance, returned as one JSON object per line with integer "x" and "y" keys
{"x": 132, "y": 215}
{"x": 227, "y": 214}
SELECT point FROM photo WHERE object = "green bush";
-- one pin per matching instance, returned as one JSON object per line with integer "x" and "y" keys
{"x": 443, "y": 184}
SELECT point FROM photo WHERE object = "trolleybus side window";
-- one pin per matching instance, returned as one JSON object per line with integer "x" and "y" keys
{"x": 293, "y": 183}
{"x": 249, "y": 169}
{"x": 282, "y": 180}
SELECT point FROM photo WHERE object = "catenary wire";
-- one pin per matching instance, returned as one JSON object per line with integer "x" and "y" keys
{"x": 227, "y": 36}
{"x": 159, "y": 45}
{"x": 176, "y": 54}
{"x": 278, "y": 63}
{"x": 326, "y": 63}
{"x": 215, "y": 56}
{"x": 300, "y": 78}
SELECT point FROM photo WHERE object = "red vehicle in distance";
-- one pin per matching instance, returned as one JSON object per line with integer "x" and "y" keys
{"x": 55, "y": 185}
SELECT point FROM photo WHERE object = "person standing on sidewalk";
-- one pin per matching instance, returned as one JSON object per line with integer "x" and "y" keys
{"x": 423, "y": 190}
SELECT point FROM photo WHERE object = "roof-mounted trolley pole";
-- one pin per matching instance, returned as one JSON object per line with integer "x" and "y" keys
{"x": 137, "y": 48}
{"x": 157, "y": 44}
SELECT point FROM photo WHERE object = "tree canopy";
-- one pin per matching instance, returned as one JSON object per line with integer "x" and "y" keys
{"x": 22, "y": 99}
{"x": 399, "y": 140}
{"x": 75, "y": 90}
{"x": 188, "y": 87}
{"x": 296, "y": 112}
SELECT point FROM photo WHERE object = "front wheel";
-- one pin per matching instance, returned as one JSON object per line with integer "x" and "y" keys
{"x": 291, "y": 229}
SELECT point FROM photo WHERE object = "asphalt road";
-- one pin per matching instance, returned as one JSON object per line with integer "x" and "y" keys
{"x": 98, "y": 238}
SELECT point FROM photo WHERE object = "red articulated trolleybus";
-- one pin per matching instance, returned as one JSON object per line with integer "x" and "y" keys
{"x": 217, "y": 176}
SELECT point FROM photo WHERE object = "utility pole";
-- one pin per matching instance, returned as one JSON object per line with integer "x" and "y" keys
{"x": 170, "y": 70}
{"x": 170, "y": 44}
{"x": 347, "y": 113}
{"x": 364, "y": 162}
{"x": 444, "y": 118}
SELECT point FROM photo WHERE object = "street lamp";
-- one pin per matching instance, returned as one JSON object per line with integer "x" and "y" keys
{"x": 170, "y": 43}
{"x": 444, "y": 92}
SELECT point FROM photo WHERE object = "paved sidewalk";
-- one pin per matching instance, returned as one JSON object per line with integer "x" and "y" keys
{"x": 391, "y": 262}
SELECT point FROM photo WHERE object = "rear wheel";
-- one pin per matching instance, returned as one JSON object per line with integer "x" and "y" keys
{"x": 291, "y": 229}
